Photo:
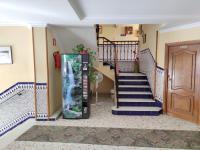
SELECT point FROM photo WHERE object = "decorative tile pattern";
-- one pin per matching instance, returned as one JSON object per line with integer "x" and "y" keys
{"x": 126, "y": 66}
{"x": 147, "y": 66}
{"x": 114, "y": 136}
{"x": 10, "y": 116}
{"x": 13, "y": 90}
{"x": 41, "y": 95}
{"x": 21, "y": 97}
{"x": 159, "y": 84}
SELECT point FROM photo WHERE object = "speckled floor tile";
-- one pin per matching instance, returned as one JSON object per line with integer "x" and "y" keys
{"x": 21, "y": 145}
{"x": 101, "y": 116}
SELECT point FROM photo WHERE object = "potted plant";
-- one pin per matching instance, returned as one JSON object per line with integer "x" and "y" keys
{"x": 80, "y": 49}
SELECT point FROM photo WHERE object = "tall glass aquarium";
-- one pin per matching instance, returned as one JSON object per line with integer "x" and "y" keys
{"x": 75, "y": 85}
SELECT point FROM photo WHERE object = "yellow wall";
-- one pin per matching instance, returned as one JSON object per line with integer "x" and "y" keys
{"x": 166, "y": 37}
{"x": 113, "y": 32}
{"x": 22, "y": 69}
{"x": 150, "y": 31}
{"x": 175, "y": 36}
{"x": 105, "y": 86}
{"x": 40, "y": 54}
{"x": 55, "y": 95}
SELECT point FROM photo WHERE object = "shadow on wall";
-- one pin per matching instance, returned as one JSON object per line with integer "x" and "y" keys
{"x": 105, "y": 86}
{"x": 70, "y": 36}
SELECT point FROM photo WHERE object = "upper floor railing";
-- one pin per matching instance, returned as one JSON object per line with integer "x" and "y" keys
{"x": 126, "y": 50}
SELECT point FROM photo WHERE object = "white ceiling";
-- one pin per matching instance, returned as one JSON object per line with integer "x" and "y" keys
{"x": 88, "y": 12}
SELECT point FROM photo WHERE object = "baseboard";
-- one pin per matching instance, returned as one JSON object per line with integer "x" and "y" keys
{"x": 56, "y": 115}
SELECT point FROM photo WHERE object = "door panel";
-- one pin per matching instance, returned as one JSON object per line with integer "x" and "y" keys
{"x": 182, "y": 104}
{"x": 183, "y": 82}
{"x": 183, "y": 70}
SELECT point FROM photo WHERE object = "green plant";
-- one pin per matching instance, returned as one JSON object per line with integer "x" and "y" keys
{"x": 80, "y": 48}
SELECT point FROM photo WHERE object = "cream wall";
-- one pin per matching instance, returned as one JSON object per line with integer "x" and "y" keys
{"x": 164, "y": 38}
{"x": 113, "y": 32}
{"x": 175, "y": 36}
{"x": 150, "y": 31}
{"x": 55, "y": 94}
{"x": 40, "y": 54}
{"x": 105, "y": 86}
{"x": 70, "y": 36}
{"x": 22, "y": 69}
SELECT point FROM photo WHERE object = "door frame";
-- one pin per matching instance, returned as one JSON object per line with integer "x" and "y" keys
{"x": 166, "y": 68}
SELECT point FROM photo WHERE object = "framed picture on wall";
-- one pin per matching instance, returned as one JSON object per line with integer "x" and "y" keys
{"x": 6, "y": 55}
{"x": 128, "y": 30}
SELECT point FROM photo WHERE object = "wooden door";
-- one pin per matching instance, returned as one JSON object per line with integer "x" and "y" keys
{"x": 183, "y": 81}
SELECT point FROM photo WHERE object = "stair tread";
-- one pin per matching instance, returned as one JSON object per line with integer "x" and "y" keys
{"x": 132, "y": 86}
{"x": 136, "y": 108}
{"x": 132, "y": 92}
{"x": 131, "y": 74}
{"x": 135, "y": 80}
{"x": 134, "y": 100}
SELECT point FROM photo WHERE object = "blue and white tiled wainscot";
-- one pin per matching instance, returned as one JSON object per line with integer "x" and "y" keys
{"x": 159, "y": 84}
{"x": 17, "y": 104}
{"x": 148, "y": 66}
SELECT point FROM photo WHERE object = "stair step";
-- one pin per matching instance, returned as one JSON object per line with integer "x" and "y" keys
{"x": 105, "y": 63}
{"x": 146, "y": 111}
{"x": 143, "y": 96}
{"x": 138, "y": 102}
{"x": 135, "y": 100}
{"x": 132, "y": 74}
{"x": 132, "y": 80}
{"x": 133, "y": 83}
{"x": 134, "y": 86}
{"x": 142, "y": 89}
{"x": 132, "y": 77}
{"x": 134, "y": 93}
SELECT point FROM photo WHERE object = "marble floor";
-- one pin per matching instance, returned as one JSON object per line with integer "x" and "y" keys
{"x": 101, "y": 117}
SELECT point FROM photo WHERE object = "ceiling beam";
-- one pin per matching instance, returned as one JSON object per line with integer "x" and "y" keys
{"x": 77, "y": 9}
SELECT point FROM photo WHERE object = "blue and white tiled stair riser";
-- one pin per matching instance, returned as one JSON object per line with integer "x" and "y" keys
{"x": 20, "y": 97}
{"x": 135, "y": 96}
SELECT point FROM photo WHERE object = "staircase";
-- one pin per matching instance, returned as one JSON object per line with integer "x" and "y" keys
{"x": 135, "y": 96}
